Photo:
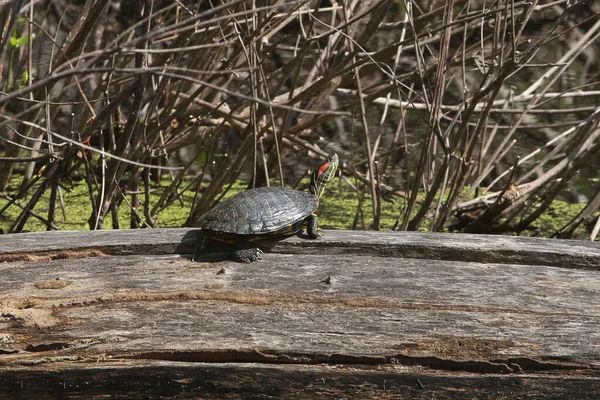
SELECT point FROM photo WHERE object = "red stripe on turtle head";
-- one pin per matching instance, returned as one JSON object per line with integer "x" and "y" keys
{"x": 323, "y": 168}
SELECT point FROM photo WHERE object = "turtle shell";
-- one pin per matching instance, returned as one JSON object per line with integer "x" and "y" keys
{"x": 264, "y": 210}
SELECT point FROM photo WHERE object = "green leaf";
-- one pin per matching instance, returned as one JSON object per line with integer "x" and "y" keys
{"x": 22, "y": 41}
{"x": 24, "y": 79}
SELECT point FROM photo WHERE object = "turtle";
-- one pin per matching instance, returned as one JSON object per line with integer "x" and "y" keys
{"x": 264, "y": 213}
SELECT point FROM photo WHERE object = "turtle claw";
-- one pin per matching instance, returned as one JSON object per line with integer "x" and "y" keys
{"x": 315, "y": 234}
{"x": 248, "y": 255}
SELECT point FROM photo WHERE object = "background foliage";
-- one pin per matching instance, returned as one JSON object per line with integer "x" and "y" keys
{"x": 473, "y": 116}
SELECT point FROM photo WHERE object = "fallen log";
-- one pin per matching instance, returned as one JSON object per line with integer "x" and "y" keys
{"x": 371, "y": 314}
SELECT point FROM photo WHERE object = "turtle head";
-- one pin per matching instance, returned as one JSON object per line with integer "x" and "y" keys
{"x": 322, "y": 175}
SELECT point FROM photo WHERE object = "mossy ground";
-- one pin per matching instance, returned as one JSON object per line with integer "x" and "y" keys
{"x": 73, "y": 211}
{"x": 338, "y": 209}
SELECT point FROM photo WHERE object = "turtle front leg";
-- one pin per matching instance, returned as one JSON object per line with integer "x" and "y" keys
{"x": 312, "y": 227}
{"x": 245, "y": 253}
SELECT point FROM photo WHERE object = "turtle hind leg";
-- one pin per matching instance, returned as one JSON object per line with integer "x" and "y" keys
{"x": 248, "y": 255}
{"x": 200, "y": 245}
{"x": 245, "y": 253}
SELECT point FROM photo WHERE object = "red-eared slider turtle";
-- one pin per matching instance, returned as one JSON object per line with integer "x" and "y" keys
{"x": 264, "y": 213}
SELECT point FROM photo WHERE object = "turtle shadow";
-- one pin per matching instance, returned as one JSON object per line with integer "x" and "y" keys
{"x": 186, "y": 247}
{"x": 216, "y": 251}
{"x": 211, "y": 257}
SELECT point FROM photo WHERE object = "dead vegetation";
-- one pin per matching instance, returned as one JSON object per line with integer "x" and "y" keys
{"x": 477, "y": 114}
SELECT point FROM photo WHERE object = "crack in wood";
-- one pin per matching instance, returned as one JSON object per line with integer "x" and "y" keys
{"x": 47, "y": 347}
{"x": 530, "y": 364}
{"x": 441, "y": 251}
{"x": 495, "y": 366}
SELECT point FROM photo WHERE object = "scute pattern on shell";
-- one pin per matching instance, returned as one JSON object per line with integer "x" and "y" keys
{"x": 260, "y": 210}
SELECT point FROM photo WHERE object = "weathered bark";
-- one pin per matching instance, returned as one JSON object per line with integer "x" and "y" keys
{"x": 369, "y": 314}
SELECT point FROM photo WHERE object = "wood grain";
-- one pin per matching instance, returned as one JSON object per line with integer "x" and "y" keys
{"x": 354, "y": 310}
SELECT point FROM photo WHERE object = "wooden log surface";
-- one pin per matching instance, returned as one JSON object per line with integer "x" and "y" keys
{"x": 373, "y": 314}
